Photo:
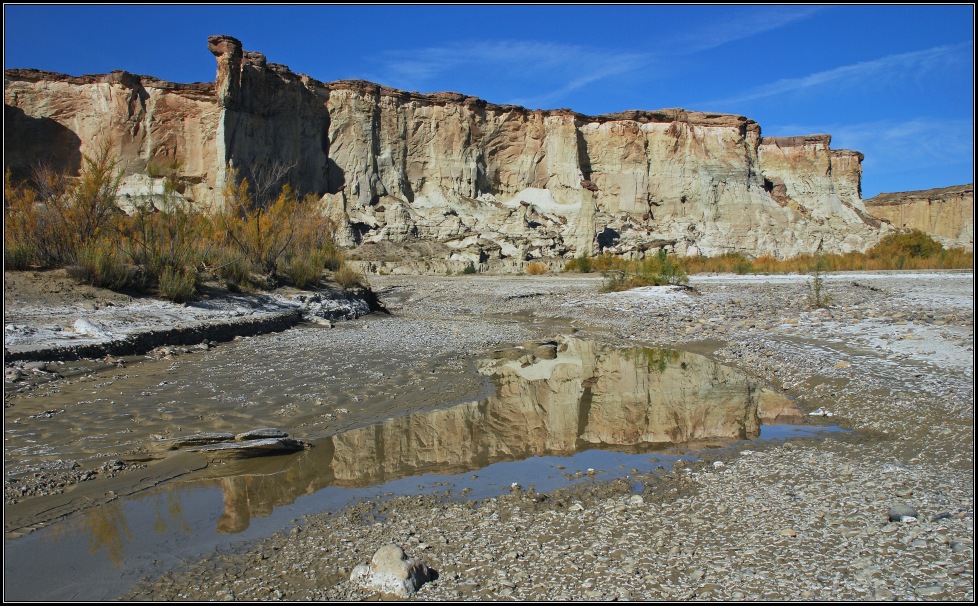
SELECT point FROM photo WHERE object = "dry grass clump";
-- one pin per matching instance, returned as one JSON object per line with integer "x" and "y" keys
{"x": 659, "y": 270}
{"x": 348, "y": 277}
{"x": 536, "y": 268}
{"x": 905, "y": 250}
{"x": 55, "y": 220}
{"x": 580, "y": 264}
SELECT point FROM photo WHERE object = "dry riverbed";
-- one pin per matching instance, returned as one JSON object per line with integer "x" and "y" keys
{"x": 806, "y": 518}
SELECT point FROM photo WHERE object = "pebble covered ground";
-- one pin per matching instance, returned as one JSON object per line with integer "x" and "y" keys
{"x": 891, "y": 358}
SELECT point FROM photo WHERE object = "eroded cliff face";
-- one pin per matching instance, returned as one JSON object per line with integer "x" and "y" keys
{"x": 502, "y": 182}
{"x": 947, "y": 214}
{"x": 152, "y": 125}
{"x": 486, "y": 183}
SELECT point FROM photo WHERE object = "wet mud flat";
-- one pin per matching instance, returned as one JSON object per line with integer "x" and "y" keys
{"x": 801, "y": 518}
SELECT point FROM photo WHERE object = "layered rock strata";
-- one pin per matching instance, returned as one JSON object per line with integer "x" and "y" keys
{"x": 947, "y": 214}
{"x": 492, "y": 184}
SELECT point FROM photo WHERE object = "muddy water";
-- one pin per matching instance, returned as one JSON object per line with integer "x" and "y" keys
{"x": 310, "y": 384}
{"x": 542, "y": 416}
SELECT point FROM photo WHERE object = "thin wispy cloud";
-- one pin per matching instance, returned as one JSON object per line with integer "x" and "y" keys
{"x": 536, "y": 72}
{"x": 892, "y": 68}
{"x": 745, "y": 23}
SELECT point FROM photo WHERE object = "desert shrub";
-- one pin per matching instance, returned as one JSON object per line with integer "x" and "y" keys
{"x": 21, "y": 247}
{"x": 100, "y": 263}
{"x": 306, "y": 269}
{"x": 255, "y": 232}
{"x": 536, "y": 268}
{"x": 332, "y": 256}
{"x": 659, "y": 270}
{"x": 580, "y": 264}
{"x": 914, "y": 244}
{"x": 51, "y": 218}
{"x": 171, "y": 239}
{"x": 17, "y": 257}
{"x": 728, "y": 262}
{"x": 274, "y": 234}
{"x": 469, "y": 269}
{"x": 93, "y": 198}
{"x": 818, "y": 296}
{"x": 37, "y": 218}
{"x": 301, "y": 271}
{"x": 348, "y": 277}
{"x": 178, "y": 284}
{"x": 615, "y": 280}
{"x": 607, "y": 261}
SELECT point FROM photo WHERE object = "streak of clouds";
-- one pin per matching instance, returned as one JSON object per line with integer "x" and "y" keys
{"x": 892, "y": 68}
{"x": 561, "y": 68}
{"x": 541, "y": 74}
{"x": 745, "y": 23}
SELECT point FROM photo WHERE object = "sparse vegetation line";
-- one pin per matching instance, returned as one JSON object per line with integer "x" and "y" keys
{"x": 913, "y": 250}
{"x": 165, "y": 246}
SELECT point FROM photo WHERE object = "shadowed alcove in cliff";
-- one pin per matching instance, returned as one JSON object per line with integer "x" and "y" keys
{"x": 37, "y": 141}
{"x": 608, "y": 238}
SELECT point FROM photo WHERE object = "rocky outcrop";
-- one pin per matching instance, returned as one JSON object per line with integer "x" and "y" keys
{"x": 153, "y": 125}
{"x": 498, "y": 182}
{"x": 273, "y": 123}
{"x": 947, "y": 214}
{"x": 489, "y": 184}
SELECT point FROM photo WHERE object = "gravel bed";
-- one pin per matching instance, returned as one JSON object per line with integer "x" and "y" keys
{"x": 891, "y": 359}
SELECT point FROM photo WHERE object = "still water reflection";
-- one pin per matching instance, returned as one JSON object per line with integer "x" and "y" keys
{"x": 553, "y": 399}
{"x": 557, "y": 406}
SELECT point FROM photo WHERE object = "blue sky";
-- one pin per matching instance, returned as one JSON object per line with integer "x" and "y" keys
{"x": 894, "y": 82}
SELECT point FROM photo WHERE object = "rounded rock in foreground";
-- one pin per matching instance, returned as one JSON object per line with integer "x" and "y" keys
{"x": 901, "y": 512}
{"x": 392, "y": 571}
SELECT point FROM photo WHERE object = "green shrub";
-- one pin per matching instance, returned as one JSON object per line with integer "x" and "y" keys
{"x": 171, "y": 239}
{"x": 18, "y": 257}
{"x": 469, "y": 269}
{"x": 914, "y": 244}
{"x": 178, "y": 284}
{"x": 348, "y": 278}
{"x": 580, "y": 264}
{"x": 331, "y": 255}
{"x": 659, "y": 270}
{"x": 819, "y": 298}
{"x": 100, "y": 264}
{"x": 303, "y": 271}
{"x": 232, "y": 269}
{"x": 614, "y": 281}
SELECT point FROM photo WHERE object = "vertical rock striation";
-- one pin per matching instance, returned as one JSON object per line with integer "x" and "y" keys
{"x": 486, "y": 183}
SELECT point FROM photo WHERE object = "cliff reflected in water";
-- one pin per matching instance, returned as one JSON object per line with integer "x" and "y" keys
{"x": 555, "y": 398}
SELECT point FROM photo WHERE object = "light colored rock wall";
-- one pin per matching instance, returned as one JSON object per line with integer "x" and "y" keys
{"x": 947, "y": 214}
{"x": 503, "y": 182}
{"x": 58, "y": 119}
{"x": 487, "y": 183}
